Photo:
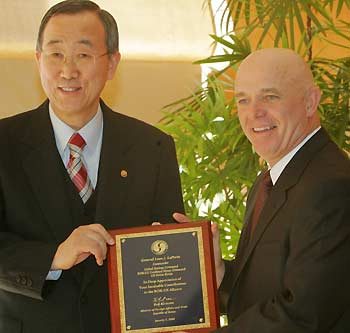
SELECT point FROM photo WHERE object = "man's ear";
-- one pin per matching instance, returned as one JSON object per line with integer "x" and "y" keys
{"x": 37, "y": 56}
{"x": 113, "y": 64}
{"x": 312, "y": 100}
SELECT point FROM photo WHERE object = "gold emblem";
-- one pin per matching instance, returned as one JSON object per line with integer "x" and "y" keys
{"x": 124, "y": 173}
{"x": 159, "y": 247}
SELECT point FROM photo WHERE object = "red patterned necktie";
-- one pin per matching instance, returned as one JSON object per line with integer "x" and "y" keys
{"x": 263, "y": 191}
{"x": 76, "y": 168}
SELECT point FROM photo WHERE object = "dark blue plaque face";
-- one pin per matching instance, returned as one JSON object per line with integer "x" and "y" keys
{"x": 162, "y": 280}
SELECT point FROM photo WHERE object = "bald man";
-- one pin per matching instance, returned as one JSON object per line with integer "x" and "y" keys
{"x": 292, "y": 269}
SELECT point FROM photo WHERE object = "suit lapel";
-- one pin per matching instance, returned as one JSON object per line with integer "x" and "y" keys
{"x": 244, "y": 238}
{"x": 278, "y": 196}
{"x": 275, "y": 202}
{"x": 112, "y": 176}
{"x": 43, "y": 167}
{"x": 112, "y": 185}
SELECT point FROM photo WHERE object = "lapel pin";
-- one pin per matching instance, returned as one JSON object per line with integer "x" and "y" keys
{"x": 124, "y": 173}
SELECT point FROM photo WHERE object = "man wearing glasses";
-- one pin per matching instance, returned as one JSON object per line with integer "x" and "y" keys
{"x": 70, "y": 170}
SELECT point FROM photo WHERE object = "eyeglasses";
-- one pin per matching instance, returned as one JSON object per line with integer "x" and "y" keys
{"x": 58, "y": 58}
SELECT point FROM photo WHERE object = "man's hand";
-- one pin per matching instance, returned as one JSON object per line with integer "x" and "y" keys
{"x": 219, "y": 263}
{"x": 84, "y": 241}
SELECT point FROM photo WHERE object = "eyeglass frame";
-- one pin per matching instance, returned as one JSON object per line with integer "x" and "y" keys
{"x": 64, "y": 61}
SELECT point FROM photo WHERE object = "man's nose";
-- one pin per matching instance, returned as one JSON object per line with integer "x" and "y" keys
{"x": 257, "y": 108}
{"x": 69, "y": 69}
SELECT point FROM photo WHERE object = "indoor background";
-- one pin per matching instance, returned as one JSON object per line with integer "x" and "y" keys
{"x": 159, "y": 40}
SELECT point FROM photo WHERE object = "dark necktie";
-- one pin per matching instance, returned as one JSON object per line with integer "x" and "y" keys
{"x": 263, "y": 191}
{"x": 76, "y": 168}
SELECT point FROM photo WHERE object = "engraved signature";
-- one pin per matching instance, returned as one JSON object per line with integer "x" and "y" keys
{"x": 163, "y": 299}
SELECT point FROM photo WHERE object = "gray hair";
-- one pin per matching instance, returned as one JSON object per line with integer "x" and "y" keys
{"x": 78, "y": 6}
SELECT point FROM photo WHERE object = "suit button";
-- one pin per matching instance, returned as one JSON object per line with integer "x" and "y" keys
{"x": 83, "y": 299}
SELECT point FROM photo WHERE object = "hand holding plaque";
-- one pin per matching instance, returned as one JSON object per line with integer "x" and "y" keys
{"x": 162, "y": 279}
{"x": 219, "y": 262}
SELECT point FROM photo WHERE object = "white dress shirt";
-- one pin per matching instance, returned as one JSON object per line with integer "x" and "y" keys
{"x": 91, "y": 133}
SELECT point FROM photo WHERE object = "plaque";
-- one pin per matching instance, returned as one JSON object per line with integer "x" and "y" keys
{"x": 162, "y": 279}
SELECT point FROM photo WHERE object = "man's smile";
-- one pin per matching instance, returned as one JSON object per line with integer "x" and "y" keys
{"x": 69, "y": 89}
{"x": 263, "y": 129}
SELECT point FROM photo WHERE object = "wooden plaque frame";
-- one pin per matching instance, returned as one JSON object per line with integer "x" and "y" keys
{"x": 119, "y": 275}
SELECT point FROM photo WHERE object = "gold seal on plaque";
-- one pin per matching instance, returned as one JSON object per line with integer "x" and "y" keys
{"x": 159, "y": 247}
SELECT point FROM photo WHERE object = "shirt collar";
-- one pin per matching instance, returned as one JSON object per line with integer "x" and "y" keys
{"x": 91, "y": 132}
{"x": 278, "y": 168}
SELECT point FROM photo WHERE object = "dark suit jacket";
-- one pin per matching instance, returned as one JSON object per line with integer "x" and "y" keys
{"x": 294, "y": 275}
{"x": 36, "y": 215}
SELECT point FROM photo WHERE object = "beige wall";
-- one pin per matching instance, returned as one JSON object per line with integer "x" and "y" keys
{"x": 159, "y": 40}
{"x": 140, "y": 88}
{"x": 20, "y": 87}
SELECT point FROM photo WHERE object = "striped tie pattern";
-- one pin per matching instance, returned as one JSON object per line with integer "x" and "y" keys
{"x": 76, "y": 168}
